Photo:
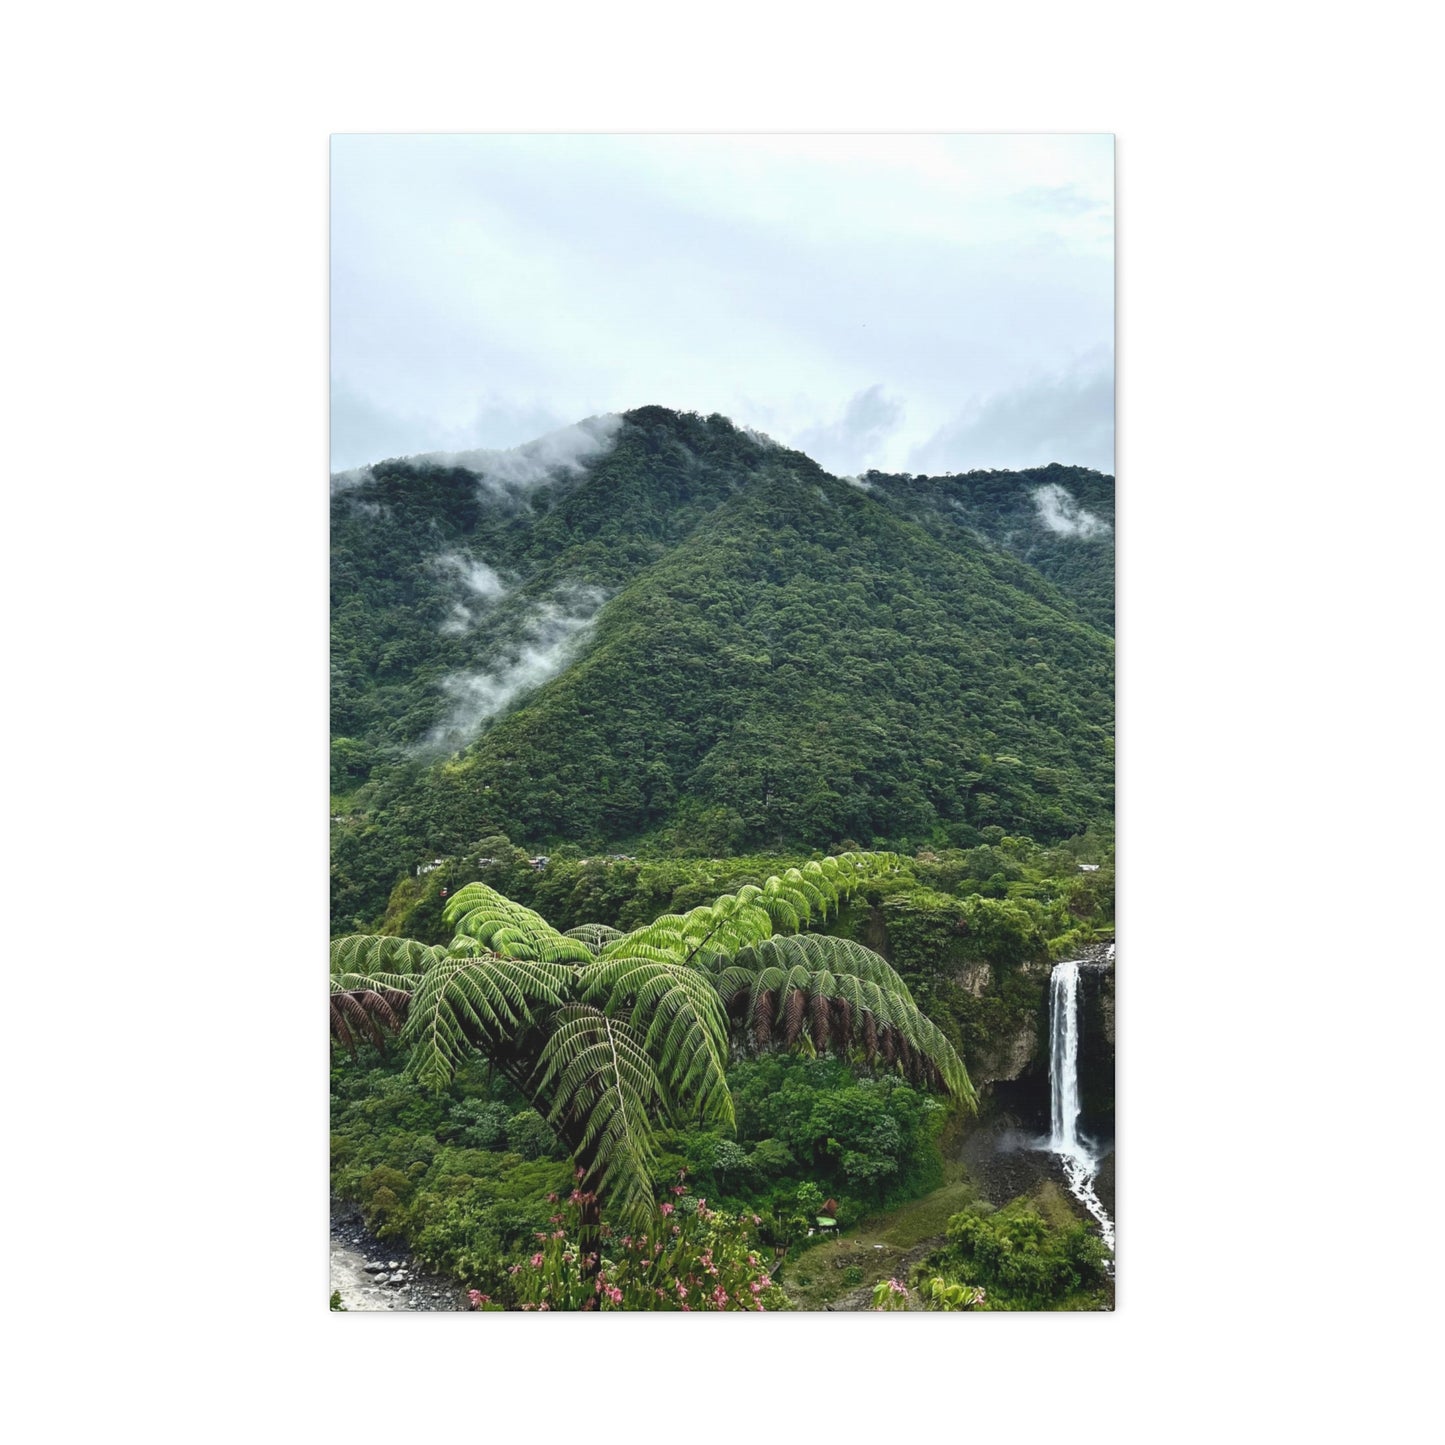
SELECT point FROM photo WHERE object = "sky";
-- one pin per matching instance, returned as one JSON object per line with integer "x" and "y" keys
{"x": 924, "y": 303}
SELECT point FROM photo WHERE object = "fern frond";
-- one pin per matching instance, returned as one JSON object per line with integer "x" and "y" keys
{"x": 463, "y": 1003}
{"x": 677, "y": 1012}
{"x": 506, "y": 928}
{"x": 606, "y": 1094}
{"x": 372, "y": 978}
{"x": 846, "y": 997}
{"x": 371, "y": 953}
{"x": 816, "y": 951}
{"x": 594, "y": 936}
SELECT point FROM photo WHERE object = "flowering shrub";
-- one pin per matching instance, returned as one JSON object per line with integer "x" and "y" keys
{"x": 687, "y": 1257}
{"x": 891, "y": 1294}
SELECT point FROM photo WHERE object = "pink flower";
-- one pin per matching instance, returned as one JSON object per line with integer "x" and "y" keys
{"x": 677, "y": 1229}
{"x": 720, "y": 1296}
{"x": 766, "y": 1281}
{"x": 551, "y": 1199}
{"x": 756, "y": 1287}
{"x": 544, "y": 1306}
{"x": 537, "y": 1260}
{"x": 667, "y": 1209}
{"x": 679, "y": 1188}
{"x": 757, "y": 1219}
{"x": 515, "y": 1269}
{"x": 682, "y": 1291}
{"x": 614, "y": 1294}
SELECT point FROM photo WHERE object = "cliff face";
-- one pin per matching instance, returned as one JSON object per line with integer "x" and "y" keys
{"x": 1010, "y": 1064}
{"x": 1096, "y": 1050}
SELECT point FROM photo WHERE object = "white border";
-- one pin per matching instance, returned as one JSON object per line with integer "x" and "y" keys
{"x": 166, "y": 261}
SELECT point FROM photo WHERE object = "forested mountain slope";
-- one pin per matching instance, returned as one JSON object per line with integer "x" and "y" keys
{"x": 1060, "y": 520}
{"x": 692, "y": 639}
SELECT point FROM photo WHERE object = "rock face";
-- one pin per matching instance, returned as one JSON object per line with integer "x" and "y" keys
{"x": 1013, "y": 1074}
{"x": 1096, "y": 1049}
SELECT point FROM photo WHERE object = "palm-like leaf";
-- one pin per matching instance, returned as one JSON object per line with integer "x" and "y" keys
{"x": 605, "y": 1097}
{"x": 848, "y": 997}
{"x": 676, "y": 1011}
{"x": 506, "y": 928}
{"x": 484, "y": 1003}
{"x": 595, "y": 936}
{"x": 372, "y": 978}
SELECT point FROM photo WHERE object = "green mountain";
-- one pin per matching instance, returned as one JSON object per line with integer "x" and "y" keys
{"x": 668, "y": 633}
{"x": 1060, "y": 520}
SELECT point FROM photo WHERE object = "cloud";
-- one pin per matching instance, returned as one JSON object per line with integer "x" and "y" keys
{"x": 548, "y": 641}
{"x": 1067, "y": 417}
{"x": 518, "y": 469}
{"x": 479, "y": 580}
{"x": 855, "y": 440}
{"x": 365, "y": 431}
{"x": 1060, "y": 513}
{"x": 759, "y": 438}
{"x": 1066, "y": 200}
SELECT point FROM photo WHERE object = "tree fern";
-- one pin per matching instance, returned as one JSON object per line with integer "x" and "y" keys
{"x": 612, "y": 1033}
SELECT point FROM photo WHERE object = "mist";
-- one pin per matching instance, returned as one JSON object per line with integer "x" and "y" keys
{"x": 482, "y": 584}
{"x": 519, "y": 469}
{"x": 1061, "y": 514}
{"x": 514, "y": 471}
{"x": 550, "y": 638}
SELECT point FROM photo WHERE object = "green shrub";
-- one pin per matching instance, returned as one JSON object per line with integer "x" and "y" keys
{"x": 1020, "y": 1259}
{"x": 529, "y": 1135}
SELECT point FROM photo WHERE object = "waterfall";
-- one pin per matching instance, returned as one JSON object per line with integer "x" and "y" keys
{"x": 1064, "y": 1060}
{"x": 1080, "y": 1164}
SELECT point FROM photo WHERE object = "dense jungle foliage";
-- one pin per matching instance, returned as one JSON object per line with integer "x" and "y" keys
{"x": 702, "y": 644}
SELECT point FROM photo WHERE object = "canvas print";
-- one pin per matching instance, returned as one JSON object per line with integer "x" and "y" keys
{"x": 722, "y": 723}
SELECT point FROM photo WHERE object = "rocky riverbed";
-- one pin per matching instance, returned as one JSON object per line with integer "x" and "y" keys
{"x": 370, "y": 1274}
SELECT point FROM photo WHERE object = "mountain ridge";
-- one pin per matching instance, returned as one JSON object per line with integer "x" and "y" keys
{"x": 778, "y": 656}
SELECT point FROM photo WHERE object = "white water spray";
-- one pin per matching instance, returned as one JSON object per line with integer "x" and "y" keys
{"x": 1080, "y": 1164}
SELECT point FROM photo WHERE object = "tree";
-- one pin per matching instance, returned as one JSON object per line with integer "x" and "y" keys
{"x": 610, "y": 1034}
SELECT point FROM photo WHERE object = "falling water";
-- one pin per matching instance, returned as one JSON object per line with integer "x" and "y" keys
{"x": 1080, "y": 1164}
